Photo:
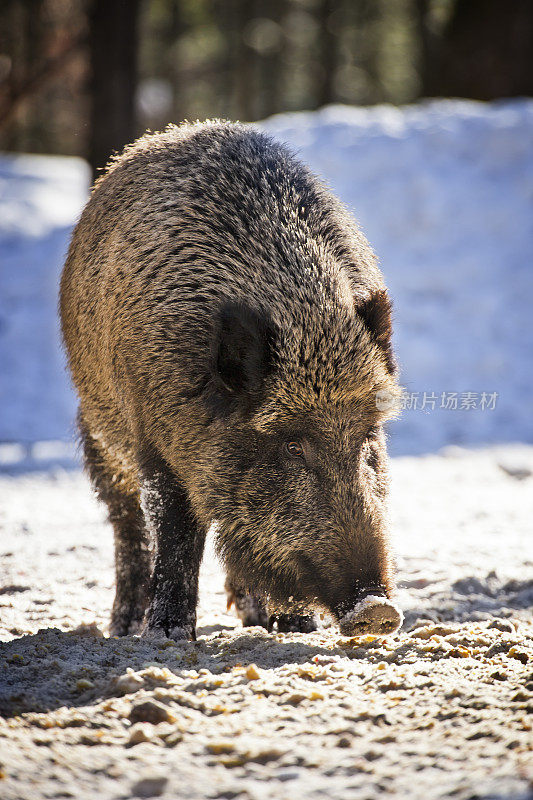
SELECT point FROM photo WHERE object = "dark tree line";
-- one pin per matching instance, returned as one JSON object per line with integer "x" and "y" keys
{"x": 86, "y": 76}
{"x": 483, "y": 51}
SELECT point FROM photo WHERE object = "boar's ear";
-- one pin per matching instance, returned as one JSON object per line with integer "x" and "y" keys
{"x": 376, "y": 313}
{"x": 243, "y": 349}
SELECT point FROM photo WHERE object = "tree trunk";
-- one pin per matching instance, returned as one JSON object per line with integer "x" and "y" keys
{"x": 328, "y": 54}
{"x": 113, "y": 27}
{"x": 245, "y": 63}
{"x": 173, "y": 62}
{"x": 271, "y": 62}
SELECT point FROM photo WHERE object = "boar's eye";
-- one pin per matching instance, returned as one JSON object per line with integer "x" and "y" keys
{"x": 294, "y": 449}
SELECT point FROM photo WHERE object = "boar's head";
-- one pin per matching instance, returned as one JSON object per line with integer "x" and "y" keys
{"x": 297, "y": 464}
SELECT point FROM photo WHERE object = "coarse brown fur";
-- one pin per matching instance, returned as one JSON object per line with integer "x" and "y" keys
{"x": 217, "y": 301}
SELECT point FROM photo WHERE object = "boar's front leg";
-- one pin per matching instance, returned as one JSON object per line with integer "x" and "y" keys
{"x": 177, "y": 541}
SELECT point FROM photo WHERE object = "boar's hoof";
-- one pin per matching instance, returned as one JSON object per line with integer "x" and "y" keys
{"x": 250, "y": 609}
{"x": 256, "y": 617}
{"x": 120, "y": 626}
{"x": 294, "y": 623}
{"x": 178, "y": 633}
{"x": 372, "y": 616}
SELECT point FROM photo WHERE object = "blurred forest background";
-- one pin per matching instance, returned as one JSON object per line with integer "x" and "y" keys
{"x": 82, "y": 77}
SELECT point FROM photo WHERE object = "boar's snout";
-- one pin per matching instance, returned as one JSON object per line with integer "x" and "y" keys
{"x": 373, "y": 615}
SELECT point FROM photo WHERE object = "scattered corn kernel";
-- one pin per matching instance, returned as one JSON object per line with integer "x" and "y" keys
{"x": 83, "y": 684}
{"x": 252, "y": 673}
{"x": 217, "y": 748}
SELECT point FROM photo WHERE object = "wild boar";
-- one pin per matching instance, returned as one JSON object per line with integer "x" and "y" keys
{"x": 229, "y": 335}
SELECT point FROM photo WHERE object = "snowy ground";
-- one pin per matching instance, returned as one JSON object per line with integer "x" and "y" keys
{"x": 445, "y": 193}
{"x": 440, "y": 710}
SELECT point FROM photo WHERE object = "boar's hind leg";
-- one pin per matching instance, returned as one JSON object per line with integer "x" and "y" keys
{"x": 178, "y": 542}
{"x": 249, "y": 608}
{"x": 132, "y": 557}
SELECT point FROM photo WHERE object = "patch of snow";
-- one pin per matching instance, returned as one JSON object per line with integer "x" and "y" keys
{"x": 40, "y": 199}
